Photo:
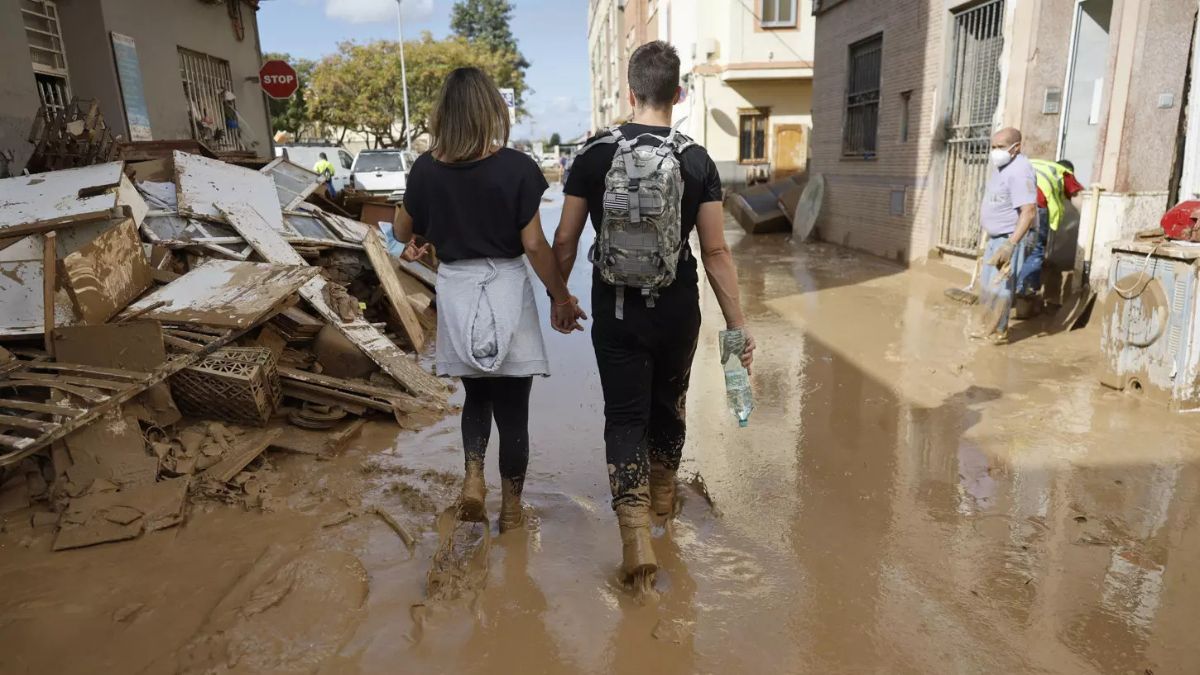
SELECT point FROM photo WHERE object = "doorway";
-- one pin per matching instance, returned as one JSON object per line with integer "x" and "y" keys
{"x": 791, "y": 150}
{"x": 1086, "y": 88}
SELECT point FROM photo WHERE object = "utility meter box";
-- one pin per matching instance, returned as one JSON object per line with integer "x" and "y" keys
{"x": 1149, "y": 327}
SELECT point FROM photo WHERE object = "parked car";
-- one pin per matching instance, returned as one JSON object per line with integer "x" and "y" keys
{"x": 381, "y": 172}
{"x": 307, "y": 154}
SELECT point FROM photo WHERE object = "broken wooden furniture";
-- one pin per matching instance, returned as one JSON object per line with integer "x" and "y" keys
{"x": 70, "y": 136}
{"x": 42, "y": 401}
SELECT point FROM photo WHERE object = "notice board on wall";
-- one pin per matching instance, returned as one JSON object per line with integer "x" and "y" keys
{"x": 129, "y": 74}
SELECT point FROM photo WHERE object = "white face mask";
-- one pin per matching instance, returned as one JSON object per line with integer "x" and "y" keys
{"x": 1001, "y": 157}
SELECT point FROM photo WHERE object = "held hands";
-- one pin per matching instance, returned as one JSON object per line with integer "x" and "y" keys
{"x": 413, "y": 253}
{"x": 565, "y": 317}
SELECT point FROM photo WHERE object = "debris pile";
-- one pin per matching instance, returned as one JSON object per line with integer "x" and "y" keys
{"x": 167, "y": 318}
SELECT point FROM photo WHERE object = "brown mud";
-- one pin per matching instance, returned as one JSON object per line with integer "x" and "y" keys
{"x": 904, "y": 500}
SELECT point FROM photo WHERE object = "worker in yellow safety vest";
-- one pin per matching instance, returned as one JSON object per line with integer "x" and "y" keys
{"x": 324, "y": 169}
{"x": 1056, "y": 184}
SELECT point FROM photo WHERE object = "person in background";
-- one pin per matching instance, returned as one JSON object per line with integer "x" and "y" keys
{"x": 1007, "y": 214}
{"x": 324, "y": 169}
{"x": 1056, "y": 185}
{"x": 477, "y": 202}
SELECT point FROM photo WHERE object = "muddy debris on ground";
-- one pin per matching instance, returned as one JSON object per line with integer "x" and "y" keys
{"x": 177, "y": 322}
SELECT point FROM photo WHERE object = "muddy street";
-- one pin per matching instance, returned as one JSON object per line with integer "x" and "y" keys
{"x": 902, "y": 501}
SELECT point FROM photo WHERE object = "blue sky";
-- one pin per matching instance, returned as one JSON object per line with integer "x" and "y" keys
{"x": 552, "y": 34}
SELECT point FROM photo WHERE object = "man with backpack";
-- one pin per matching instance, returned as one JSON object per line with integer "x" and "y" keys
{"x": 646, "y": 187}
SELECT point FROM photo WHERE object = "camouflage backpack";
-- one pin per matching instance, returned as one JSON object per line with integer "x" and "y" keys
{"x": 639, "y": 240}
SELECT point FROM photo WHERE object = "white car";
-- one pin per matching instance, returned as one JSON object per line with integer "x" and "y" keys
{"x": 381, "y": 172}
{"x": 306, "y": 155}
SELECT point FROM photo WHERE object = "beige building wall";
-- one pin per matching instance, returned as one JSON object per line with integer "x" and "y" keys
{"x": 18, "y": 95}
{"x": 607, "y": 61}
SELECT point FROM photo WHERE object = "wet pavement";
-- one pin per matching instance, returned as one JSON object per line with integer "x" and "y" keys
{"x": 903, "y": 501}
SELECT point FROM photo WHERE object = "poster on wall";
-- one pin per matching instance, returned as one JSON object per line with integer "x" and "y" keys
{"x": 129, "y": 74}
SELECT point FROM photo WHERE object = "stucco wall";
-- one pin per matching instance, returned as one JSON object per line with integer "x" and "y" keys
{"x": 789, "y": 101}
{"x": 1046, "y": 68}
{"x": 90, "y": 62}
{"x": 18, "y": 94}
{"x": 1151, "y": 133}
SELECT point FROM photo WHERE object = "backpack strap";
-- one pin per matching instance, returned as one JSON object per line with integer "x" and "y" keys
{"x": 606, "y": 137}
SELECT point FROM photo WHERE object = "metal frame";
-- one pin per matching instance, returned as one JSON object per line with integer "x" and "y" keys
{"x": 976, "y": 84}
{"x": 205, "y": 81}
{"x": 53, "y": 82}
{"x": 860, "y": 99}
{"x": 777, "y": 22}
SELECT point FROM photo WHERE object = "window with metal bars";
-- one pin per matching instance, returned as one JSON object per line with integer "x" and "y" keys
{"x": 212, "y": 108}
{"x": 752, "y": 136}
{"x": 861, "y": 126}
{"x": 46, "y": 50}
{"x": 778, "y": 13}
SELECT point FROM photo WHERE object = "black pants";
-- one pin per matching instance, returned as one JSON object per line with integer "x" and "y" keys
{"x": 645, "y": 363}
{"x": 506, "y": 400}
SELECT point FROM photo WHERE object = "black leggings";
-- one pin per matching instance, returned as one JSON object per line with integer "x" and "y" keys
{"x": 505, "y": 399}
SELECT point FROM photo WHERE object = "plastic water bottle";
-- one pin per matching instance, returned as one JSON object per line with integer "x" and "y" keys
{"x": 737, "y": 380}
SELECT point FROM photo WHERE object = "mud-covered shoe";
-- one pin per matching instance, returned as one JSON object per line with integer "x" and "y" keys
{"x": 474, "y": 490}
{"x": 512, "y": 514}
{"x": 662, "y": 490}
{"x": 637, "y": 553}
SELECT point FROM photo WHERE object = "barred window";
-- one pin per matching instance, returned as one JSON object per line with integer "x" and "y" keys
{"x": 212, "y": 108}
{"x": 860, "y": 130}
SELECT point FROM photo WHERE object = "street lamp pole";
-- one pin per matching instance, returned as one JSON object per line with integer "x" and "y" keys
{"x": 403, "y": 74}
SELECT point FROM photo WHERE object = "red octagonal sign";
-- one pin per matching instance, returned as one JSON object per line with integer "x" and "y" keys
{"x": 278, "y": 79}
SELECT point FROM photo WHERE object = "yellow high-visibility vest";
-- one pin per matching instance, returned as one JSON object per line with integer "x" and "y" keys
{"x": 324, "y": 167}
{"x": 1050, "y": 182}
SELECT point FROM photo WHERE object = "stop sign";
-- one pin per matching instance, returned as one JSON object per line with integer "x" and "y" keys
{"x": 278, "y": 79}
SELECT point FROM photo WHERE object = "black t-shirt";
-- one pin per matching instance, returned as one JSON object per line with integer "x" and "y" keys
{"x": 701, "y": 183}
{"x": 474, "y": 209}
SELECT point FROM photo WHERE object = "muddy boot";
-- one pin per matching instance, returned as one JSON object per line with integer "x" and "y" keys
{"x": 470, "y": 504}
{"x": 637, "y": 553}
{"x": 511, "y": 513}
{"x": 662, "y": 490}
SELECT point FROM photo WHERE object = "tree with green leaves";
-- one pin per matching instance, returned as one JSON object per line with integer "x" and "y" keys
{"x": 487, "y": 22}
{"x": 292, "y": 114}
{"x": 359, "y": 88}
{"x": 555, "y": 139}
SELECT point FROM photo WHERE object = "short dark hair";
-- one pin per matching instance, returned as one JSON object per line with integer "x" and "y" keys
{"x": 654, "y": 74}
{"x": 323, "y": 156}
{"x": 1067, "y": 164}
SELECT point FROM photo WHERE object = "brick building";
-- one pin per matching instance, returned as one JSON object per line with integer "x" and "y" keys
{"x": 910, "y": 90}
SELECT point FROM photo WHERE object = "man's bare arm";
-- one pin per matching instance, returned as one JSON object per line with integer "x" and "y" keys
{"x": 1025, "y": 219}
{"x": 722, "y": 275}
{"x": 570, "y": 229}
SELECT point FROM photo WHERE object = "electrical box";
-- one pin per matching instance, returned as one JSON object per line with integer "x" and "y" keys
{"x": 1149, "y": 327}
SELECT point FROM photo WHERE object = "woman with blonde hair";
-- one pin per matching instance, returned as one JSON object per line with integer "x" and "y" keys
{"x": 476, "y": 201}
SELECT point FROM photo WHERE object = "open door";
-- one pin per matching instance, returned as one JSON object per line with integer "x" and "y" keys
{"x": 1086, "y": 87}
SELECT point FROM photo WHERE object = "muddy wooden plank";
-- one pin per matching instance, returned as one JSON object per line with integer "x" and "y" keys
{"x": 293, "y": 183}
{"x": 109, "y": 385}
{"x": 238, "y": 458}
{"x": 115, "y": 516}
{"x": 111, "y": 449}
{"x": 49, "y": 382}
{"x": 101, "y": 403}
{"x": 313, "y": 442}
{"x": 137, "y": 345}
{"x": 397, "y": 298}
{"x": 202, "y": 184}
{"x": 120, "y": 374}
{"x": 26, "y": 423}
{"x": 16, "y": 443}
{"x": 419, "y": 272}
{"x": 271, "y": 246}
{"x": 49, "y": 285}
{"x": 22, "y": 291}
{"x": 419, "y": 295}
{"x": 352, "y": 386}
{"x": 107, "y": 274}
{"x": 226, "y": 293}
{"x": 315, "y": 393}
{"x": 46, "y": 201}
{"x": 33, "y": 406}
